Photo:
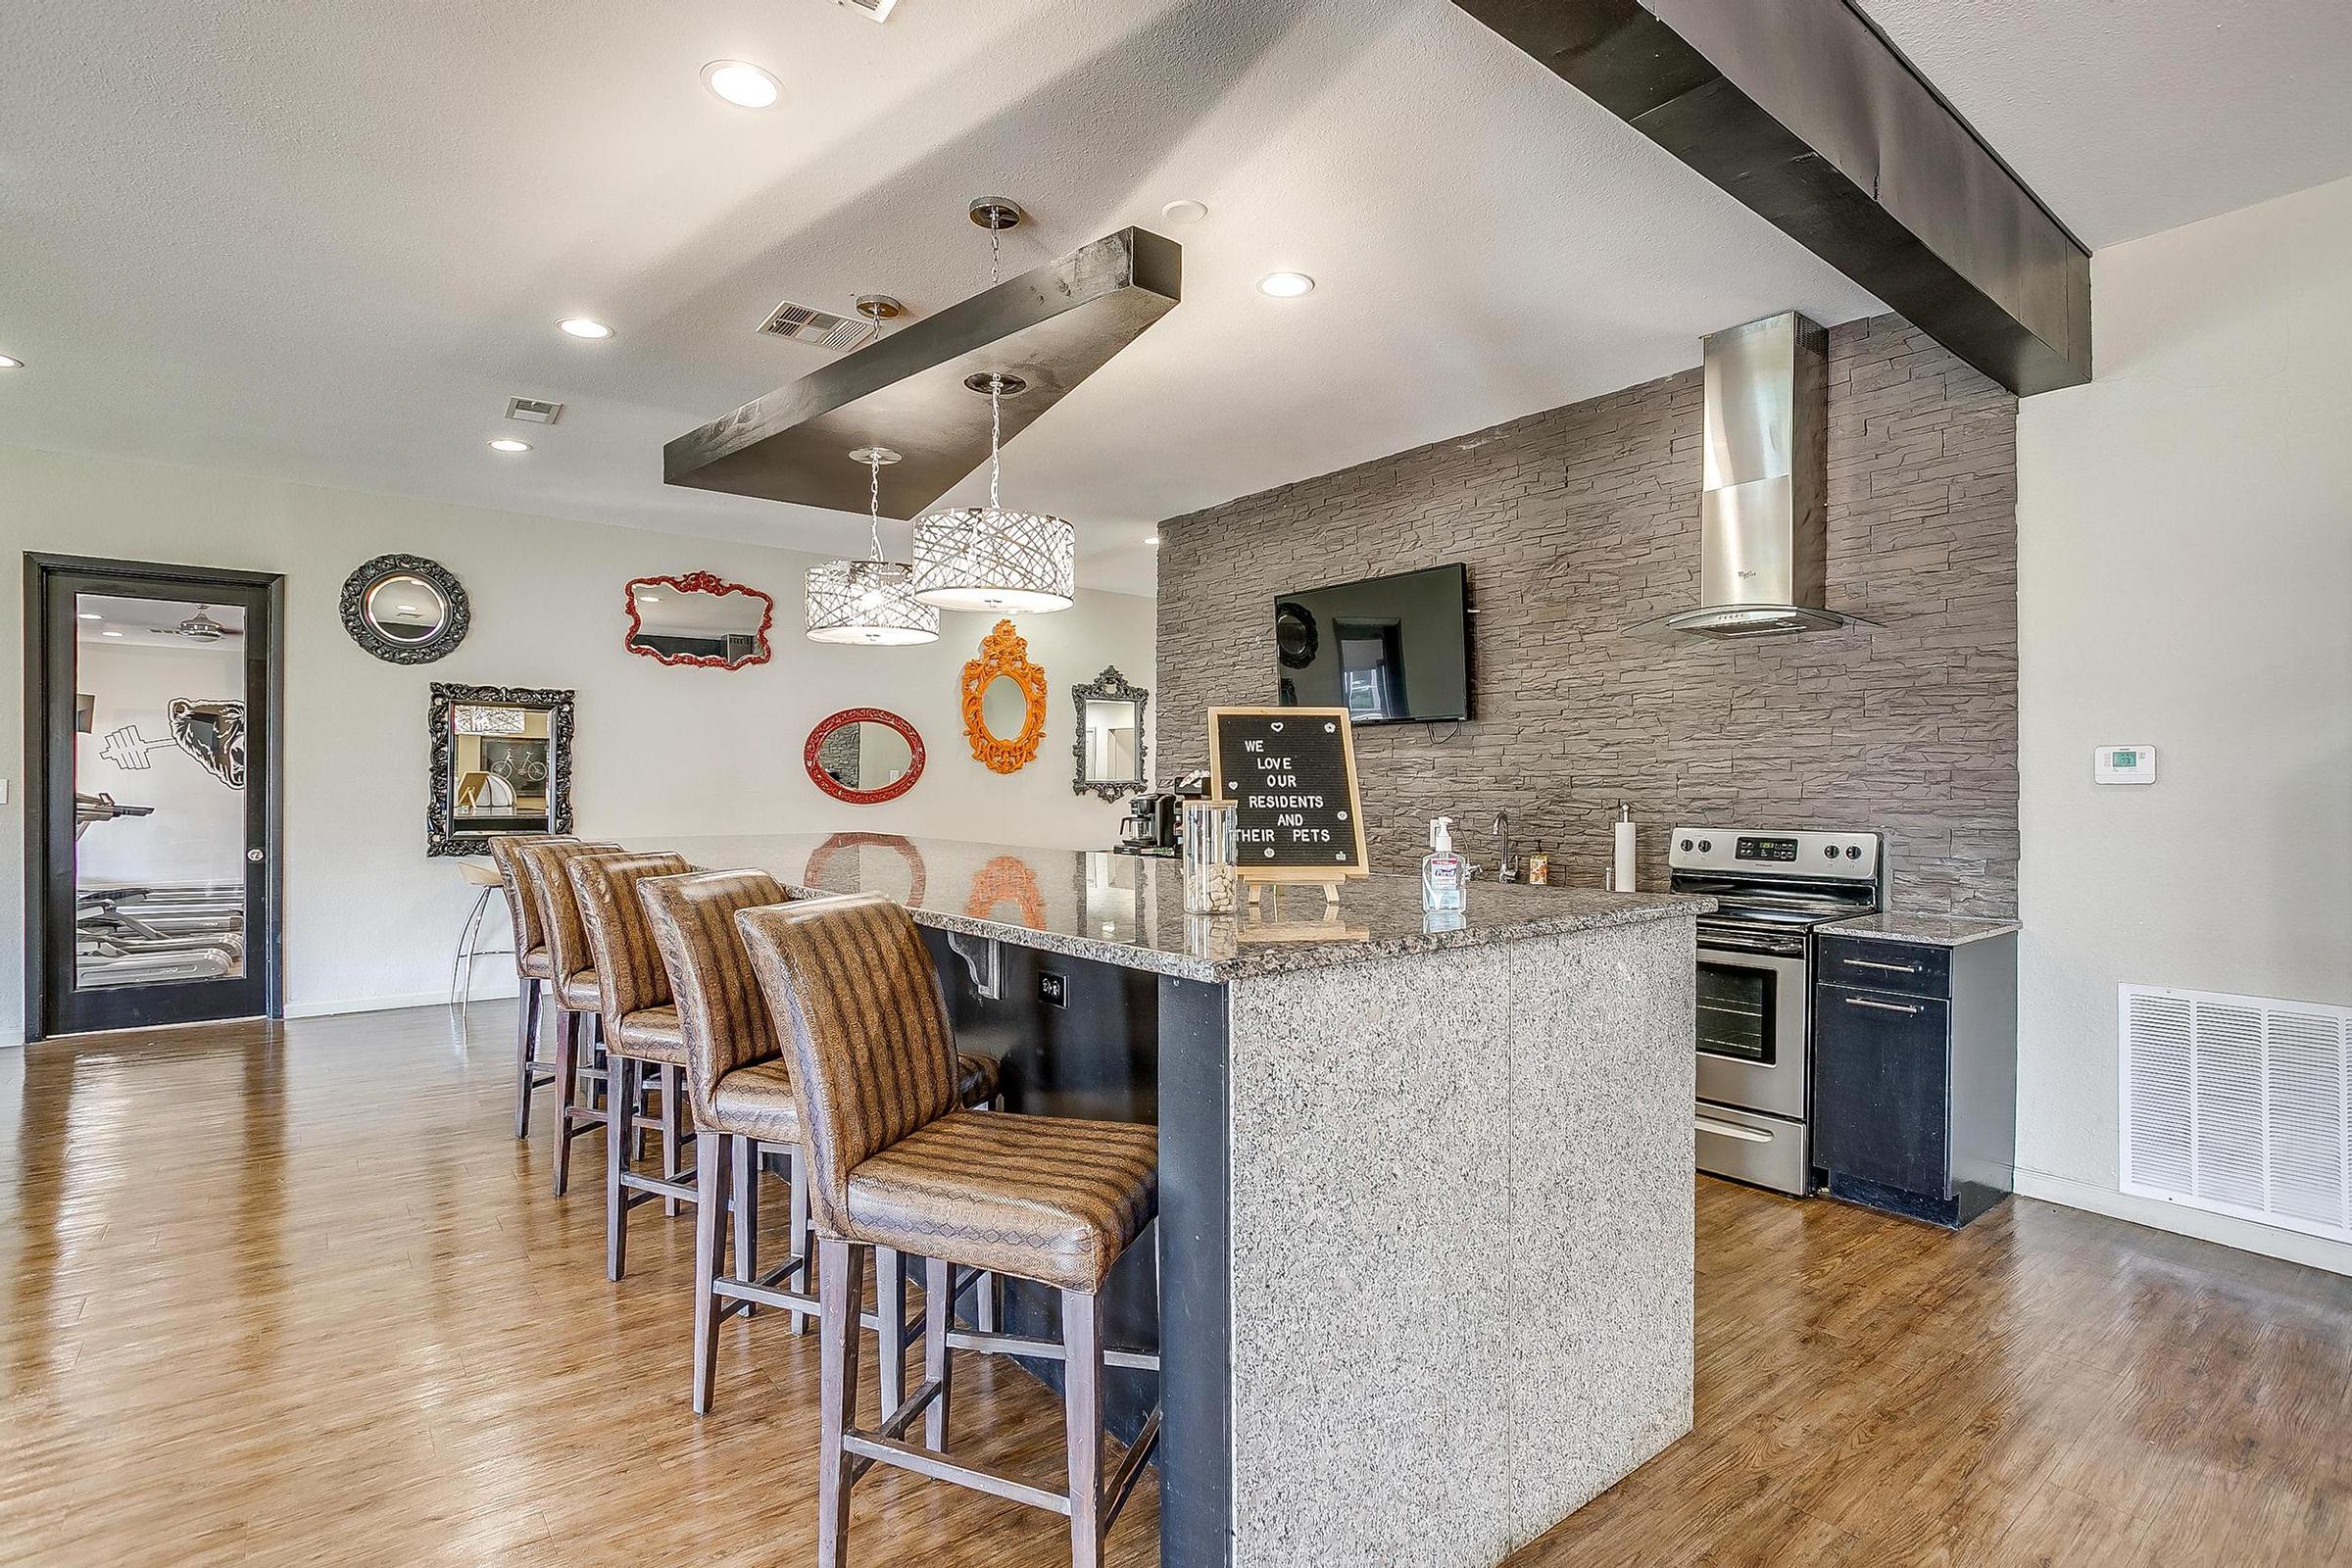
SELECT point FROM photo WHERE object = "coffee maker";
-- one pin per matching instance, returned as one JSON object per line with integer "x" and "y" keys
{"x": 1149, "y": 825}
{"x": 1154, "y": 820}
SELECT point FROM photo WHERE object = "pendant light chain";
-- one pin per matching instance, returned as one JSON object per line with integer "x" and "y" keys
{"x": 873, "y": 503}
{"x": 996, "y": 382}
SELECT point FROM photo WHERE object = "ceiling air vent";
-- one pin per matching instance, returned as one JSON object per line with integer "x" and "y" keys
{"x": 804, "y": 323}
{"x": 2238, "y": 1105}
{"x": 534, "y": 410}
{"x": 879, "y": 10}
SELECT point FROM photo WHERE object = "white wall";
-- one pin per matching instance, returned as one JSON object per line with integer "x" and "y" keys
{"x": 659, "y": 750}
{"x": 2185, "y": 527}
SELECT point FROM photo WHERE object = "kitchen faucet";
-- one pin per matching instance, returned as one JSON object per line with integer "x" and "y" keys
{"x": 1505, "y": 870}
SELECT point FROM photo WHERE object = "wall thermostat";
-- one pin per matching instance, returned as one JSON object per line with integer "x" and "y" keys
{"x": 2124, "y": 765}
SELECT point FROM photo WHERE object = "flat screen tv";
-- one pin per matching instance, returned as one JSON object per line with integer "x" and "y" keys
{"x": 1390, "y": 649}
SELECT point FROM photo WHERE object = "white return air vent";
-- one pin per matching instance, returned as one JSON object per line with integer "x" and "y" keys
{"x": 805, "y": 323}
{"x": 2237, "y": 1105}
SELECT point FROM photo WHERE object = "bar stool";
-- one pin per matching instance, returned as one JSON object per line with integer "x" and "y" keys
{"x": 485, "y": 880}
{"x": 530, "y": 967}
{"x": 641, "y": 1030}
{"x": 741, "y": 1092}
{"x": 894, "y": 1165}
{"x": 571, "y": 986}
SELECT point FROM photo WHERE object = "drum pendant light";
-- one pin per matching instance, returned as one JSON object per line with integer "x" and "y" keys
{"x": 868, "y": 601}
{"x": 986, "y": 557}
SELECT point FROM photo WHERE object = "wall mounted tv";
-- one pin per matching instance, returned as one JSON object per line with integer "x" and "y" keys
{"x": 1390, "y": 649}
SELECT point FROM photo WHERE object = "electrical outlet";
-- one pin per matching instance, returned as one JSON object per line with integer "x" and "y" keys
{"x": 1053, "y": 990}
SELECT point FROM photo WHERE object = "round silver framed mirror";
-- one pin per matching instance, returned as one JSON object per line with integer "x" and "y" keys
{"x": 404, "y": 609}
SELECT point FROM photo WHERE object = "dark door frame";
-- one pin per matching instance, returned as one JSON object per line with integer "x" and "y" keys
{"x": 49, "y": 755}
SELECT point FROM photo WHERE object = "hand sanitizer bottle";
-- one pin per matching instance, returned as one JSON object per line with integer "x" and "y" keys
{"x": 1442, "y": 872}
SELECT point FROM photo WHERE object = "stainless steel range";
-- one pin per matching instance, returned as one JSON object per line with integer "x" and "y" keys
{"x": 1755, "y": 1062}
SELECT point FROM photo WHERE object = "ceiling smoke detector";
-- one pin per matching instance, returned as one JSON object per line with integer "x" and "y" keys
{"x": 805, "y": 323}
{"x": 879, "y": 10}
{"x": 534, "y": 410}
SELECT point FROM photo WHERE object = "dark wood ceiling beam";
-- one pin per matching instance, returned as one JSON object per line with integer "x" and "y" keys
{"x": 1808, "y": 115}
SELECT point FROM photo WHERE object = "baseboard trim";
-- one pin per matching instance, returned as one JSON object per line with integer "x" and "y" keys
{"x": 2246, "y": 1236}
{"x": 492, "y": 991}
{"x": 421, "y": 999}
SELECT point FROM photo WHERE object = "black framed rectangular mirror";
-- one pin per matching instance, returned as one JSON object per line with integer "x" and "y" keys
{"x": 1111, "y": 750}
{"x": 501, "y": 763}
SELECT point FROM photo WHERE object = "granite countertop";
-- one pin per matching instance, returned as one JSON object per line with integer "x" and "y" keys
{"x": 1128, "y": 909}
{"x": 1926, "y": 930}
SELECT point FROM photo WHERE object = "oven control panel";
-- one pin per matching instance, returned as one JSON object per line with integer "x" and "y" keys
{"x": 1845, "y": 856}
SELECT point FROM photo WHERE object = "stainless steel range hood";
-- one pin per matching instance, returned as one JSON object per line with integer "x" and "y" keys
{"x": 1053, "y": 326}
{"x": 1763, "y": 521}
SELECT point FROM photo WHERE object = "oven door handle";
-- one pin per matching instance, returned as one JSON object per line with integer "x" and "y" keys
{"x": 1763, "y": 947}
{"x": 1725, "y": 1129}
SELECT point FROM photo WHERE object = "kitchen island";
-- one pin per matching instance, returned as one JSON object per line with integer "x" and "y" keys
{"x": 1425, "y": 1250}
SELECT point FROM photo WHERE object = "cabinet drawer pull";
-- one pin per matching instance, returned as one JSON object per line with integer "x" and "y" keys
{"x": 1883, "y": 1006}
{"x": 1890, "y": 968}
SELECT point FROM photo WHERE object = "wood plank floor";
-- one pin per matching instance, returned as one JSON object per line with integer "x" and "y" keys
{"x": 293, "y": 1294}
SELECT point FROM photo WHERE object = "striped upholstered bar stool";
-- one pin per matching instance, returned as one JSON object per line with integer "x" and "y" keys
{"x": 532, "y": 1071}
{"x": 894, "y": 1166}
{"x": 641, "y": 1030}
{"x": 571, "y": 986}
{"x": 740, "y": 1090}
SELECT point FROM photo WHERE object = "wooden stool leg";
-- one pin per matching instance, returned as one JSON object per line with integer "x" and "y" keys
{"x": 567, "y": 1087}
{"x": 803, "y": 1234}
{"x": 710, "y": 1247}
{"x": 527, "y": 1042}
{"x": 890, "y": 1308}
{"x": 838, "y": 1336}
{"x": 939, "y": 1302}
{"x": 640, "y": 1085}
{"x": 625, "y": 1073}
{"x": 1082, "y": 1415}
{"x": 747, "y": 1212}
{"x": 672, "y": 1123}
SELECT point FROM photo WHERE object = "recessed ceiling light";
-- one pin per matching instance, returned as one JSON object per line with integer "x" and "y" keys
{"x": 742, "y": 83}
{"x": 648, "y": 598}
{"x": 590, "y": 328}
{"x": 408, "y": 609}
{"x": 1152, "y": 539}
{"x": 507, "y": 443}
{"x": 110, "y": 634}
{"x": 1183, "y": 211}
{"x": 9, "y": 361}
{"x": 1286, "y": 285}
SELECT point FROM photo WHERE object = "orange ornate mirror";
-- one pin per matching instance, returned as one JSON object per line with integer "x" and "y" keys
{"x": 1004, "y": 702}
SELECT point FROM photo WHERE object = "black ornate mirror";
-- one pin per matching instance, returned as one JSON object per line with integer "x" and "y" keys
{"x": 502, "y": 764}
{"x": 404, "y": 609}
{"x": 1111, "y": 750}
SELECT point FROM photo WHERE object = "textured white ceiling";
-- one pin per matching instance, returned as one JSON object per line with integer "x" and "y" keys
{"x": 325, "y": 241}
{"x": 2127, "y": 116}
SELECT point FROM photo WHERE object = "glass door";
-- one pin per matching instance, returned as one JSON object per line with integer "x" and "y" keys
{"x": 158, "y": 896}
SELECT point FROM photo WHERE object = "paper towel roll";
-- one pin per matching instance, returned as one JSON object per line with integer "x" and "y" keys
{"x": 1622, "y": 870}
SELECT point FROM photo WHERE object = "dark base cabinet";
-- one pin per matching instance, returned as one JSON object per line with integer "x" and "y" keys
{"x": 1915, "y": 1074}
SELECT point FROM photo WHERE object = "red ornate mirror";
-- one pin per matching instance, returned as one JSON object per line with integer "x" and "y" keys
{"x": 865, "y": 756}
{"x": 699, "y": 619}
